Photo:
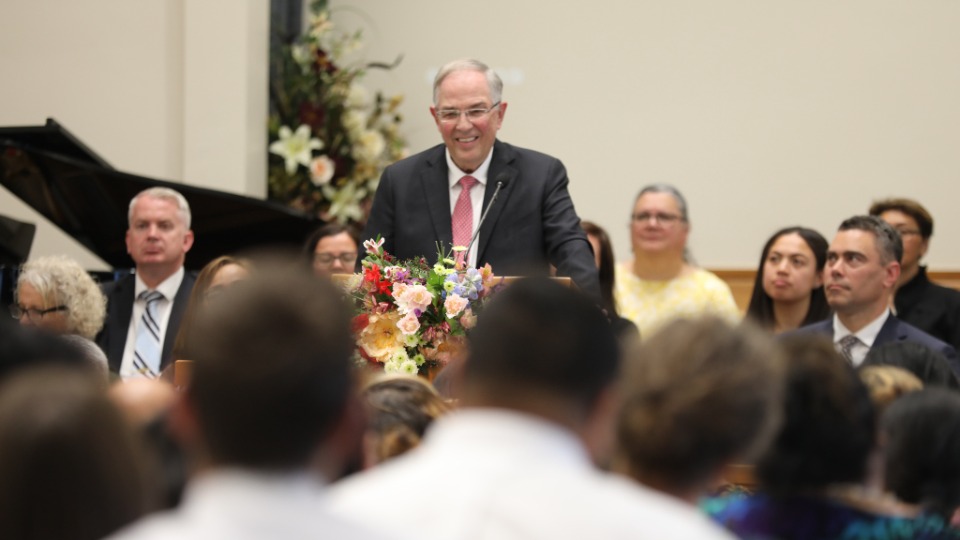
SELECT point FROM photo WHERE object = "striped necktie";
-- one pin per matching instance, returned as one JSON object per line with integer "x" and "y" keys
{"x": 847, "y": 343}
{"x": 146, "y": 351}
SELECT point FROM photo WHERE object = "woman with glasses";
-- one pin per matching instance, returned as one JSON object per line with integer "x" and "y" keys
{"x": 58, "y": 295}
{"x": 332, "y": 249}
{"x": 661, "y": 283}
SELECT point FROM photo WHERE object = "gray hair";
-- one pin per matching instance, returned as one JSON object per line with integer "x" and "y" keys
{"x": 469, "y": 64}
{"x": 673, "y": 191}
{"x": 62, "y": 281}
{"x": 681, "y": 206}
{"x": 889, "y": 243}
{"x": 166, "y": 194}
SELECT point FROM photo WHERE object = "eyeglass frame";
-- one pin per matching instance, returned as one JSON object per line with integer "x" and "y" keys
{"x": 667, "y": 220}
{"x": 908, "y": 232}
{"x": 347, "y": 258}
{"x": 17, "y": 312}
{"x": 477, "y": 113}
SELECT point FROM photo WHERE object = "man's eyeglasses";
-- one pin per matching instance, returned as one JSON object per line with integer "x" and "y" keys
{"x": 327, "y": 259}
{"x": 663, "y": 219}
{"x": 31, "y": 314}
{"x": 907, "y": 232}
{"x": 453, "y": 115}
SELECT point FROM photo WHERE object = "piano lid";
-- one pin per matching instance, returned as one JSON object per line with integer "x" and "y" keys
{"x": 63, "y": 180}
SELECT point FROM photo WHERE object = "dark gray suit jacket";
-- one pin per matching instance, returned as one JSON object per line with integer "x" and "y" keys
{"x": 120, "y": 297}
{"x": 894, "y": 330}
{"x": 531, "y": 225}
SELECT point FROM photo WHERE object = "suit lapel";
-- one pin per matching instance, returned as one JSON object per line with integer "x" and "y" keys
{"x": 121, "y": 300}
{"x": 501, "y": 163}
{"x": 436, "y": 191}
{"x": 890, "y": 332}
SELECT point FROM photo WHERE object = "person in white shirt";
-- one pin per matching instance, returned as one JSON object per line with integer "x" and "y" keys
{"x": 271, "y": 399}
{"x": 863, "y": 266}
{"x": 537, "y": 396}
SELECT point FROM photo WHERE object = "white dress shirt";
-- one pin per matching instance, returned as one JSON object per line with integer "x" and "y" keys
{"x": 168, "y": 288}
{"x": 476, "y": 196}
{"x": 867, "y": 335}
{"x": 233, "y": 504}
{"x": 489, "y": 474}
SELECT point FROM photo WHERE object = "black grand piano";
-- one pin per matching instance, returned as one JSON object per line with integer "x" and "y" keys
{"x": 61, "y": 178}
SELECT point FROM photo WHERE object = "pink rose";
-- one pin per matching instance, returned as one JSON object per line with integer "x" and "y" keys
{"x": 409, "y": 324}
{"x": 414, "y": 297}
{"x": 321, "y": 170}
{"x": 454, "y": 304}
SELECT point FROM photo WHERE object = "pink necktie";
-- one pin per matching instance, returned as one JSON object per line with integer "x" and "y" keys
{"x": 463, "y": 216}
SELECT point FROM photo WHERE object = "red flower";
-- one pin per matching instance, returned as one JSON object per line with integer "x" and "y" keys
{"x": 372, "y": 274}
{"x": 360, "y": 322}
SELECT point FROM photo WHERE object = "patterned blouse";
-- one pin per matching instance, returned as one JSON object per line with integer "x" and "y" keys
{"x": 651, "y": 304}
{"x": 762, "y": 517}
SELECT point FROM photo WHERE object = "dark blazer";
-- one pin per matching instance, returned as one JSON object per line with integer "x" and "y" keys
{"x": 930, "y": 307}
{"x": 120, "y": 297}
{"x": 531, "y": 225}
{"x": 894, "y": 330}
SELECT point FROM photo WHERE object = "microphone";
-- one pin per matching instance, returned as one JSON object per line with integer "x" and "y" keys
{"x": 503, "y": 180}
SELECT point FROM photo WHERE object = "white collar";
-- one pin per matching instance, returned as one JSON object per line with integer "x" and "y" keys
{"x": 867, "y": 334}
{"x": 455, "y": 173}
{"x": 167, "y": 287}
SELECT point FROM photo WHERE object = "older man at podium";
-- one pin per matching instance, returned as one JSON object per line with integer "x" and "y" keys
{"x": 508, "y": 206}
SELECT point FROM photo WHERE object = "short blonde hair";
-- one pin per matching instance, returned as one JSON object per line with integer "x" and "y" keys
{"x": 166, "y": 194}
{"x": 62, "y": 281}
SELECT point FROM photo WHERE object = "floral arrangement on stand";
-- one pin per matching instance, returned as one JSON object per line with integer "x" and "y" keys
{"x": 412, "y": 317}
{"x": 329, "y": 140}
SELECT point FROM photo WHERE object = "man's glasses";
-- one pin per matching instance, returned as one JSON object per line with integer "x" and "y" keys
{"x": 453, "y": 115}
{"x": 32, "y": 315}
{"x": 907, "y": 232}
{"x": 326, "y": 259}
{"x": 663, "y": 219}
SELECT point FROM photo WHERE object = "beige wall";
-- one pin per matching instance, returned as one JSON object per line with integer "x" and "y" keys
{"x": 170, "y": 89}
{"x": 765, "y": 113}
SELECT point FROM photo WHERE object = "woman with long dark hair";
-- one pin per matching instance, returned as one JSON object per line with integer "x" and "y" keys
{"x": 788, "y": 290}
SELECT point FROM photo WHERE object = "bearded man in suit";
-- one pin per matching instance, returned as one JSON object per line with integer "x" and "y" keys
{"x": 438, "y": 196}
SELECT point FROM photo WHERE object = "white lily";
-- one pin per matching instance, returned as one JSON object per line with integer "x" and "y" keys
{"x": 345, "y": 202}
{"x": 295, "y": 148}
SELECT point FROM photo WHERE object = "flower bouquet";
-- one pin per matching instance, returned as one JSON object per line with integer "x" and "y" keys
{"x": 329, "y": 139}
{"x": 411, "y": 316}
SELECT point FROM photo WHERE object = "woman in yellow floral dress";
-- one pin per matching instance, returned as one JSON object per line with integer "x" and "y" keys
{"x": 660, "y": 284}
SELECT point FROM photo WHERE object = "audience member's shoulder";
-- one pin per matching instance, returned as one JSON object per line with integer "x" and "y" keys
{"x": 659, "y": 515}
{"x": 184, "y": 526}
{"x": 820, "y": 327}
{"x": 914, "y": 333}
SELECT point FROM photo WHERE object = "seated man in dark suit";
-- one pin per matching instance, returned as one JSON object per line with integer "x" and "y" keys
{"x": 144, "y": 310}
{"x": 863, "y": 265}
{"x": 438, "y": 195}
{"x": 918, "y": 301}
